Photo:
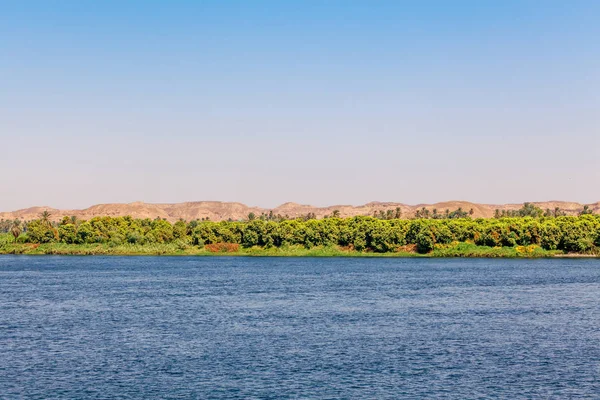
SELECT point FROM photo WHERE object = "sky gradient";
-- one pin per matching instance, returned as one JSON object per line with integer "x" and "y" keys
{"x": 317, "y": 102}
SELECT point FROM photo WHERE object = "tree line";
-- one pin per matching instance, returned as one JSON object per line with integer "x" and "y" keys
{"x": 362, "y": 233}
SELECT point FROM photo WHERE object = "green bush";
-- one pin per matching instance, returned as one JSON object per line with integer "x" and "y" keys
{"x": 425, "y": 241}
{"x": 39, "y": 231}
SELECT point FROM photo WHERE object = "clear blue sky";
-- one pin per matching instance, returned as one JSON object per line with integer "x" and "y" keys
{"x": 319, "y": 102}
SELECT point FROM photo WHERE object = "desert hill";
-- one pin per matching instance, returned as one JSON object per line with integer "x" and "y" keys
{"x": 218, "y": 211}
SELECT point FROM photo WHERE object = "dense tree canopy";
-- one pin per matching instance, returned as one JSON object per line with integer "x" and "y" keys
{"x": 568, "y": 233}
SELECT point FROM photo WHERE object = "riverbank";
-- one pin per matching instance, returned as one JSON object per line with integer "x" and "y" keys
{"x": 523, "y": 236}
{"x": 451, "y": 250}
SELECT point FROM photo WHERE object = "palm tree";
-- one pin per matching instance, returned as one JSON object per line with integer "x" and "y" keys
{"x": 16, "y": 230}
{"x": 398, "y": 213}
{"x": 586, "y": 210}
{"x": 45, "y": 217}
{"x": 76, "y": 222}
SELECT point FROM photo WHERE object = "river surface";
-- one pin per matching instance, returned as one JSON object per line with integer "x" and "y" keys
{"x": 319, "y": 328}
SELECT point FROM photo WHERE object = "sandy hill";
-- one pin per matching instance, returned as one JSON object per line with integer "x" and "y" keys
{"x": 218, "y": 211}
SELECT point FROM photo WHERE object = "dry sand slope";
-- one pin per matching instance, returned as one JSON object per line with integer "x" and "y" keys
{"x": 218, "y": 211}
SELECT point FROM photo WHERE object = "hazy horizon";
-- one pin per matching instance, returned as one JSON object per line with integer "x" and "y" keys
{"x": 301, "y": 204}
{"x": 320, "y": 103}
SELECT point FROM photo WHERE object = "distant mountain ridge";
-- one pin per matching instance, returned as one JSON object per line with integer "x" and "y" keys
{"x": 219, "y": 211}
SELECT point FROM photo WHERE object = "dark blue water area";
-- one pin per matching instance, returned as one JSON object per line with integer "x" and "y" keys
{"x": 319, "y": 328}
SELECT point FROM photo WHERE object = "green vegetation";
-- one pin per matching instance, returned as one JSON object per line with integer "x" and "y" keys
{"x": 534, "y": 234}
{"x": 528, "y": 210}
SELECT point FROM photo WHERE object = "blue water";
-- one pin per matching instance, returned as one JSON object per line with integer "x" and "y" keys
{"x": 161, "y": 327}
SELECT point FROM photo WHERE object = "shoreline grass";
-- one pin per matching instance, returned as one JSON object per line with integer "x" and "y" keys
{"x": 467, "y": 250}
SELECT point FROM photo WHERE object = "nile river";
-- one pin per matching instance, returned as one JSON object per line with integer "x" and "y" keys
{"x": 324, "y": 328}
